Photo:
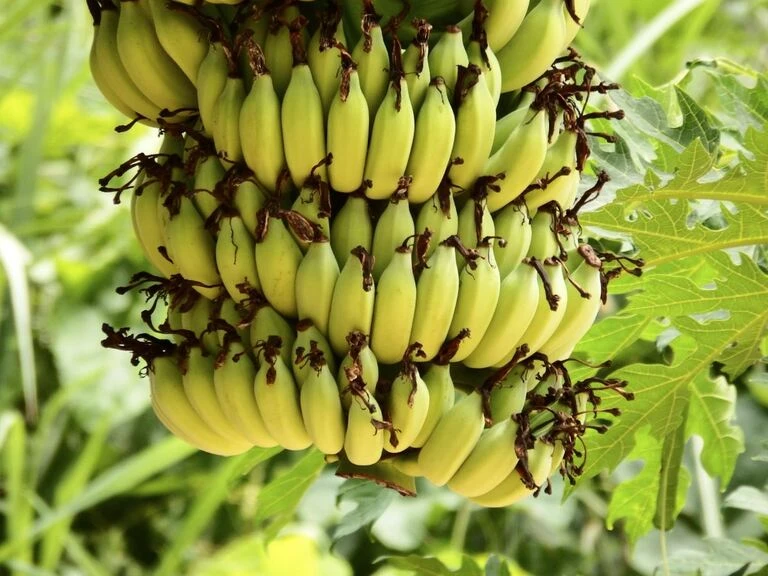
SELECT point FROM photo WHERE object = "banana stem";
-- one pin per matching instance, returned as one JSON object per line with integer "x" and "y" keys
{"x": 649, "y": 35}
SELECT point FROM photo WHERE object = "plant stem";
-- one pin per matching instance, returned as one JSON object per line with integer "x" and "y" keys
{"x": 709, "y": 497}
{"x": 460, "y": 526}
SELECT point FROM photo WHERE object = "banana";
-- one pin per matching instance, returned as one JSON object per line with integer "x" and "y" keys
{"x": 492, "y": 459}
{"x": 211, "y": 79}
{"x": 266, "y": 323}
{"x": 235, "y": 249}
{"x": 519, "y": 159}
{"x": 499, "y": 19}
{"x": 407, "y": 464}
{"x": 353, "y": 299}
{"x": 534, "y": 47}
{"x": 485, "y": 59}
{"x": 512, "y": 489}
{"x": 452, "y": 440}
{"x": 278, "y": 48}
{"x": 226, "y": 123}
{"x": 321, "y": 408}
{"x": 169, "y": 399}
{"x": 256, "y": 26}
{"x": 407, "y": 408}
{"x": 441, "y": 399}
{"x": 303, "y": 121}
{"x": 558, "y": 175}
{"x": 475, "y": 222}
{"x": 475, "y": 124}
{"x": 391, "y": 137}
{"x": 147, "y": 64}
{"x": 439, "y": 216}
{"x": 359, "y": 367}
{"x": 314, "y": 204}
{"x": 196, "y": 320}
{"x": 511, "y": 121}
{"x": 351, "y": 227}
{"x": 109, "y": 71}
{"x": 348, "y": 124}
{"x": 200, "y": 389}
{"x": 231, "y": 314}
{"x": 479, "y": 287}
{"x": 518, "y": 298}
{"x": 395, "y": 225}
{"x": 316, "y": 278}
{"x": 193, "y": 249}
{"x": 434, "y": 135}
{"x": 310, "y": 340}
{"x": 436, "y": 293}
{"x": 416, "y": 64}
{"x": 249, "y": 199}
{"x": 277, "y": 397}
{"x": 394, "y": 308}
{"x": 582, "y": 306}
{"x": 208, "y": 174}
{"x": 277, "y": 261}
{"x": 323, "y": 57}
{"x": 364, "y": 440}
{"x": 182, "y": 37}
{"x": 507, "y": 397}
{"x": 572, "y": 27}
{"x": 447, "y": 55}
{"x": 512, "y": 224}
{"x": 261, "y": 132}
{"x": 372, "y": 59}
{"x": 233, "y": 379}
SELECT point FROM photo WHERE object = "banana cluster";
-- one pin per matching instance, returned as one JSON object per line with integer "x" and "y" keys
{"x": 365, "y": 247}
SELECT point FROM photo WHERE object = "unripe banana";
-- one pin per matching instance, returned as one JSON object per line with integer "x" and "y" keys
{"x": 558, "y": 174}
{"x": 208, "y": 173}
{"x": 437, "y": 291}
{"x": 353, "y": 299}
{"x": 173, "y": 407}
{"x": 394, "y": 308}
{"x": 310, "y": 339}
{"x": 492, "y": 459}
{"x": 479, "y": 287}
{"x": 441, "y": 399}
{"x": 416, "y": 64}
{"x": 534, "y": 47}
{"x": 200, "y": 389}
{"x": 351, "y": 227}
{"x": 348, "y": 123}
{"x": 277, "y": 262}
{"x": 511, "y": 121}
{"x": 323, "y": 58}
{"x": 513, "y": 224}
{"x": 278, "y": 49}
{"x": 364, "y": 440}
{"x": 447, "y": 55}
{"x": 407, "y": 408}
{"x": 147, "y": 64}
{"x": 439, "y": 216}
{"x": 518, "y": 298}
{"x": 257, "y": 25}
{"x": 233, "y": 380}
{"x": 372, "y": 59}
{"x": 395, "y": 225}
{"x": 391, "y": 140}
{"x": 249, "y": 199}
{"x": 519, "y": 160}
{"x": 512, "y": 489}
{"x": 182, "y": 37}
{"x": 475, "y": 224}
{"x": 321, "y": 408}
{"x": 196, "y": 320}
{"x": 407, "y": 463}
{"x": 211, "y": 79}
{"x": 235, "y": 249}
{"x": 434, "y": 135}
{"x": 261, "y": 131}
{"x": 502, "y": 22}
{"x": 226, "y": 124}
{"x": 572, "y": 28}
{"x": 278, "y": 399}
{"x": 485, "y": 59}
{"x": 452, "y": 440}
{"x": 507, "y": 397}
{"x": 232, "y": 315}
{"x": 266, "y": 323}
{"x": 359, "y": 368}
{"x": 193, "y": 249}
{"x": 316, "y": 278}
{"x": 314, "y": 204}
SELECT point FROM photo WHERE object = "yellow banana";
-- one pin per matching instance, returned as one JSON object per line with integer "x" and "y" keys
{"x": 534, "y": 47}
{"x": 310, "y": 340}
{"x": 235, "y": 249}
{"x": 278, "y": 399}
{"x": 352, "y": 227}
{"x": 348, "y": 123}
{"x": 364, "y": 440}
{"x": 513, "y": 224}
{"x": 278, "y": 49}
{"x": 316, "y": 278}
{"x": 208, "y": 174}
{"x": 182, "y": 37}
{"x": 558, "y": 175}
{"x": 416, "y": 64}
{"x": 452, "y": 440}
{"x": 501, "y": 23}
{"x": 439, "y": 216}
{"x": 572, "y": 28}
{"x": 395, "y": 225}
{"x": 372, "y": 59}
{"x": 434, "y": 135}
{"x": 407, "y": 408}
{"x": 441, "y": 399}
{"x": 394, "y": 308}
{"x": 323, "y": 57}
{"x": 249, "y": 199}
{"x": 437, "y": 291}
{"x": 266, "y": 323}
{"x": 211, "y": 79}
{"x": 447, "y": 55}
{"x": 518, "y": 297}
{"x": 321, "y": 408}
{"x": 226, "y": 124}
{"x": 353, "y": 299}
{"x": 359, "y": 367}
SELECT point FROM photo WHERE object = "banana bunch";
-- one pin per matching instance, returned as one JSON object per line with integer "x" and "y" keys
{"x": 366, "y": 238}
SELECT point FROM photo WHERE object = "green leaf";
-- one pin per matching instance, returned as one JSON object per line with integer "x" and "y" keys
{"x": 721, "y": 556}
{"x": 19, "y": 515}
{"x": 496, "y": 567}
{"x": 748, "y": 498}
{"x": 433, "y": 566}
{"x": 370, "y": 500}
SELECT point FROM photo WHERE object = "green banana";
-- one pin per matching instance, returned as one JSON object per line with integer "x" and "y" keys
{"x": 407, "y": 408}
{"x": 416, "y": 64}
{"x": 558, "y": 175}
{"x": 572, "y": 28}
{"x": 314, "y": 203}
{"x": 310, "y": 340}
{"x": 208, "y": 174}
{"x": 211, "y": 79}
{"x": 226, "y": 123}
{"x": 278, "y": 47}
{"x": 395, "y": 225}
{"x": 353, "y": 299}
{"x": 182, "y": 37}
{"x": 447, "y": 55}
{"x": 232, "y": 315}
{"x": 439, "y": 216}
{"x": 321, "y": 407}
{"x": 235, "y": 249}
{"x": 267, "y": 322}
{"x": 316, "y": 278}
{"x": 507, "y": 397}
{"x": 364, "y": 440}
{"x": 452, "y": 440}
{"x": 359, "y": 367}
{"x": 196, "y": 320}
{"x": 394, "y": 308}
{"x": 249, "y": 199}
{"x": 441, "y": 399}
{"x": 512, "y": 120}
{"x": 372, "y": 59}
{"x": 513, "y": 224}
{"x": 475, "y": 223}
{"x": 503, "y": 20}
{"x": 323, "y": 57}
{"x": 485, "y": 59}
{"x": 351, "y": 227}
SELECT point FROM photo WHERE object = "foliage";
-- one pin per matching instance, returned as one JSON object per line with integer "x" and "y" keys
{"x": 91, "y": 484}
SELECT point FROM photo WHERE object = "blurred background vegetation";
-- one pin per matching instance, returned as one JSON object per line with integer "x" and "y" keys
{"x": 76, "y": 431}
